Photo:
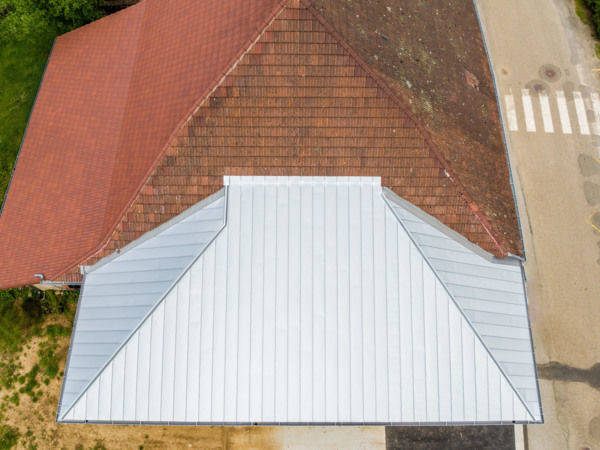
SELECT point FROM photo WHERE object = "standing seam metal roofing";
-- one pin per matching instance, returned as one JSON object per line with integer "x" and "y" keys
{"x": 122, "y": 289}
{"x": 310, "y": 270}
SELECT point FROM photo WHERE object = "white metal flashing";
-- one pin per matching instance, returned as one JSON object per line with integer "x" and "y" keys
{"x": 321, "y": 301}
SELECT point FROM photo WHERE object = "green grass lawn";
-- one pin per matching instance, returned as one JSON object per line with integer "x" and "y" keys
{"x": 21, "y": 68}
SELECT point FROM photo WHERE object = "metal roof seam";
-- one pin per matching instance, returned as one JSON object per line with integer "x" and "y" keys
{"x": 149, "y": 313}
{"x": 426, "y": 259}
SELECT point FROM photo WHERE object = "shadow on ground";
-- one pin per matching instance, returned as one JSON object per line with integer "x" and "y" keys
{"x": 561, "y": 372}
{"x": 448, "y": 438}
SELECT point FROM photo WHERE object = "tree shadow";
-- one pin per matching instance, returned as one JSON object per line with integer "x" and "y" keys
{"x": 562, "y": 372}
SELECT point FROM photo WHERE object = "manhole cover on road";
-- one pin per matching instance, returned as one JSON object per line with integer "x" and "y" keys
{"x": 538, "y": 87}
{"x": 550, "y": 72}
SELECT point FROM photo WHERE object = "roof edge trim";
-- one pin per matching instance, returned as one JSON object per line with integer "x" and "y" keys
{"x": 306, "y": 424}
{"x": 478, "y": 337}
{"x": 532, "y": 346}
{"x": 150, "y": 311}
{"x": 396, "y": 99}
{"x": 503, "y": 129}
{"x": 62, "y": 388}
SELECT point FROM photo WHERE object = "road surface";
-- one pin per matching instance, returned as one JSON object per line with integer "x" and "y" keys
{"x": 543, "y": 60}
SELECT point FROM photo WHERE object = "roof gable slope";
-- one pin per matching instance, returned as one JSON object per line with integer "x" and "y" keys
{"x": 491, "y": 292}
{"x": 54, "y": 206}
{"x": 299, "y": 102}
{"x": 314, "y": 305}
{"x": 113, "y": 93}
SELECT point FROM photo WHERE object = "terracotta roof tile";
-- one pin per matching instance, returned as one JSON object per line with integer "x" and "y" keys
{"x": 293, "y": 110}
{"x": 445, "y": 79}
{"x": 299, "y": 102}
{"x": 113, "y": 93}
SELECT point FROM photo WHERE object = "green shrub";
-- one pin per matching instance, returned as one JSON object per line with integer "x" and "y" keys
{"x": 594, "y": 6}
{"x": 22, "y": 312}
{"x": 48, "y": 360}
{"x": 8, "y": 437}
{"x": 28, "y": 19}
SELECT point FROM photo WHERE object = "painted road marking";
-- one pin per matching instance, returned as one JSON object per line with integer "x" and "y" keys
{"x": 528, "y": 109}
{"x": 546, "y": 113}
{"x": 596, "y": 108}
{"x": 511, "y": 112}
{"x": 581, "y": 105}
{"x": 584, "y": 128}
{"x": 563, "y": 112}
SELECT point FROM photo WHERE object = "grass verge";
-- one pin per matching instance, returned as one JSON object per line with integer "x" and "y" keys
{"x": 583, "y": 12}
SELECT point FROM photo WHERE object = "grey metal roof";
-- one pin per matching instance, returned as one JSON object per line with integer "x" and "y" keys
{"x": 322, "y": 300}
{"x": 121, "y": 289}
{"x": 490, "y": 291}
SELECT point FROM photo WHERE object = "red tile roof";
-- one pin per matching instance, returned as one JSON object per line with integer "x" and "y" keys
{"x": 113, "y": 93}
{"x": 445, "y": 79}
{"x": 299, "y": 102}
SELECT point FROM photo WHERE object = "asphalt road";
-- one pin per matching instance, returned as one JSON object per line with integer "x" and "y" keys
{"x": 543, "y": 60}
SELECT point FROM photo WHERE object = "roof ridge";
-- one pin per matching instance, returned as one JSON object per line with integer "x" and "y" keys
{"x": 456, "y": 303}
{"x": 161, "y": 299}
{"x": 398, "y": 101}
{"x": 186, "y": 118}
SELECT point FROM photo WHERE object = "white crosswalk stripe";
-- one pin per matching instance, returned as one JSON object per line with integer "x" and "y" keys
{"x": 511, "y": 112}
{"x": 596, "y": 108}
{"x": 546, "y": 113}
{"x": 585, "y": 109}
{"x": 528, "y": 110}
{"x": 581, "y": 113}
{"x": 563, "y": 112}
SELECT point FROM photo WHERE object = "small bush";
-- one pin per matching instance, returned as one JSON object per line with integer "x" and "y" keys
{"x": 48, "y": 360}
{"x": 22, "y": 312}
{"x": 594, "y": 7}
{"x": 28, "y": 19}
{"x": 8, "y": 437}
